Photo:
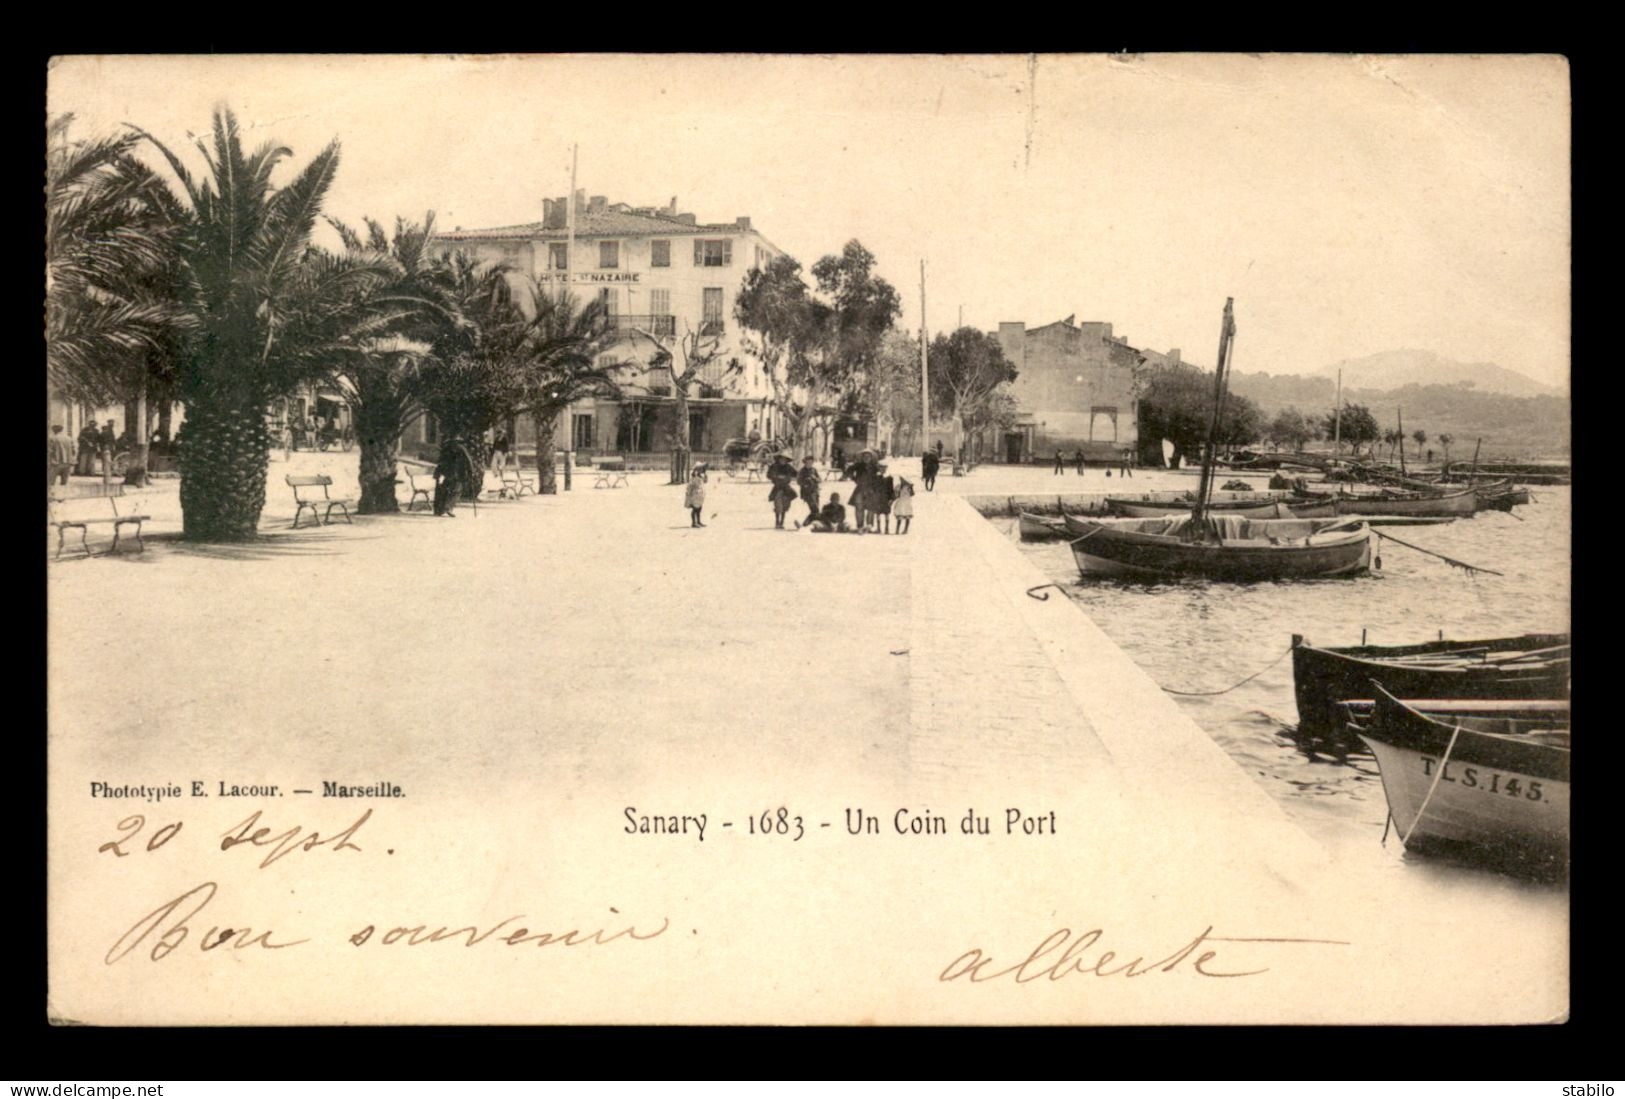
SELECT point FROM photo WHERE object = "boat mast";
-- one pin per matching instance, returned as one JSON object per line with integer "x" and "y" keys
{"x": 1337, "y": 419}
{"x": 1401, "y": 411}
{"x": 1227, "y": 337}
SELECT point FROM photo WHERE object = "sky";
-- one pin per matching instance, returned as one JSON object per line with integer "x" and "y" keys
{"x": 1350, "y": 204}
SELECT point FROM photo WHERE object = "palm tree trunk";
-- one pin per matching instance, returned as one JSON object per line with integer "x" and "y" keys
{"x": 545, "y": 423}
{"x": 224, "y": 453}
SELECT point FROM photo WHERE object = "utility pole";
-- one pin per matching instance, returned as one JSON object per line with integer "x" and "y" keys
{"x": 569, "y": 271}
{"x": 925, "y": 376}
{"x": 1337, "y": 419}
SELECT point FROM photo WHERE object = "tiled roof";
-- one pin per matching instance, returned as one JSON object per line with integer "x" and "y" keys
{"x": 606, "y": 223}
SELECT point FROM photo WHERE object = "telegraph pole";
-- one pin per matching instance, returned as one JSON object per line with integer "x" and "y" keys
{"x": 925, "y": 376}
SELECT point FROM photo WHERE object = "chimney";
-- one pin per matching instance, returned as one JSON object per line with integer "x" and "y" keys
{"x": 547, "y": 213}
{"x": 599, "y": 202}
{"x": 671, "y": 207}
{"x": 1173, "y": 356}
{"x": 686, "y": 219}
{"x": 743, "y": 223}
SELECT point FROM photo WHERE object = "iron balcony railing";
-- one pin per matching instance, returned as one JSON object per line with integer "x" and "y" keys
{"x": 656, "y": 324}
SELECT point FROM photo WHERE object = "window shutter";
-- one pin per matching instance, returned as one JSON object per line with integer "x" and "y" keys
{"x": 699, "y": 253}
{"x": 727, "y": 253}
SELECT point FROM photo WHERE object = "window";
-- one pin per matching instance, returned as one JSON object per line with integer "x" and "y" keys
{"x": 713, "y": 253}
{"x": 581, "y": 431}
{"x": 609, "y": 253}
{"x": 661, "y": 321}
{"x": 660, "y": 253}
{"x": 711, "y": 314}
{"x": 557, "y": 258}
{"x": 607, "y": 297}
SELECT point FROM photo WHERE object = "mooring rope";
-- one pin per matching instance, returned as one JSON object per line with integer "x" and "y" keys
{"x": 1440, "y": 556}
{"x": 1444, "y": 761}
{"x": 1227, "y": 690}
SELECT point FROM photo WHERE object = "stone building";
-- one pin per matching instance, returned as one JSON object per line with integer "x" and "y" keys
{"x": 1077, "y": 389}
{"x": 660, "y": 272}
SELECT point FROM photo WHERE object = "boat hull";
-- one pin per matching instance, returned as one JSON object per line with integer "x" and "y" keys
{"x": 1040, "y": 528}
{"x": 1494, "y": 793}
{"x": 1270, "y": 509}
{"x": 1102, "y": 549}
{"x": 1323, "y": 678}
{"x": 1457, "y": 504}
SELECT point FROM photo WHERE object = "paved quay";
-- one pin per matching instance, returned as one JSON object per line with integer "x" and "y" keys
{"x": 540, "y": 674}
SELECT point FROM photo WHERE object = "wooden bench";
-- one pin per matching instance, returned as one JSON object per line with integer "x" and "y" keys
{"x": 515, "y": 483}
{"x": 611, "y": 473}
{"x": 67, "y": 513}
{"x": 420, "y": 479}
{"x": 305, "y": 496}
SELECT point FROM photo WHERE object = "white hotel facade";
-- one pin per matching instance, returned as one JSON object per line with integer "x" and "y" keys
{"x": 658, "y": 271}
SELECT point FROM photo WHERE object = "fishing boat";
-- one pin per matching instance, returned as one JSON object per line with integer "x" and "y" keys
{"x": 1533, "y": 666}
{"x": 1233, "y": 548}
{"x": 1294, "y": 507}
{"x": 1501, "y": 496}
{"x": 1041, "y": 528}
{"x": 1451, "y": 780}
{"x": 1446, "y": 504}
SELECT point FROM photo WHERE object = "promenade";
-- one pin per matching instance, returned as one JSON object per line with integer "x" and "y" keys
{"x": 539, "y": 674}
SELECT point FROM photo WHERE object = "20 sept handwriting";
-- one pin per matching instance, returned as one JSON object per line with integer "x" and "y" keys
{"x": 281, "y": 842}
{"x": 1043, "y": 961}
{"x": 166, "y": 928}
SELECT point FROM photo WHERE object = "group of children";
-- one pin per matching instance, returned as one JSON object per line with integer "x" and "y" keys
{"x": 875, "y": 499}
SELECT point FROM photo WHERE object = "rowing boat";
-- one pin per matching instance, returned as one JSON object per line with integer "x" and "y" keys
{"x": 1456, "y": 504}
{"x": 1041, "y": 528}
{"x": 1289, "y": 508}
{"x": 1451, "y": 780}
{"x": 1533, "y": 666}
{"x": 1243, "y": 549}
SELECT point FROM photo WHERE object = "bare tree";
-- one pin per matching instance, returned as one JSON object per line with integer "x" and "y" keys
{"x": 684, "y": 358}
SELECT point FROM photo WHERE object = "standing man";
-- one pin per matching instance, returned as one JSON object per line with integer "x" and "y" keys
{"x": 88, "y": 445}
{"x": 928, "y": 468}
{"x": 58, "y": 456}
{"x": 105, "y": 442}
{"x": 1128, "y": 456}
{"x": 1058, "y": 469}
{"x": 451, "y": 472}
{"x": 808, "y": 481}
{"x": 1079, "y": 459}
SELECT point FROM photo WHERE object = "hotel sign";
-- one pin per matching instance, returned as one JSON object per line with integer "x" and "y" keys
{"x": 594, "y": 276}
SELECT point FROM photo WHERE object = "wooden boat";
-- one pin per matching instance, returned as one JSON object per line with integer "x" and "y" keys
{"x": 1534, "y": 666}
{"x": 1501, "y": 496}
{"x": 1455, "y": 504}
{"x": 1041, "y": 528}
{"x": 1244, "y": 549}
{"x": 1293, "y": 507}
{"x": 1452, "y": 782}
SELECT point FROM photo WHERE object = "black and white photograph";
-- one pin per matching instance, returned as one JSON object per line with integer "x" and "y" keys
{"x": 1008, "y": 539}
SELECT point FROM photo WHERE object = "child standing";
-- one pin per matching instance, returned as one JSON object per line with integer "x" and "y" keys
{"x": 903, "y": 509}
{"x": 694, "y": 496}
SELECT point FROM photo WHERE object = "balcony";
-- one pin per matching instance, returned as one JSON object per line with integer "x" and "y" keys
{"x": 711, "y": 328}
{"x": 656, "y": 324}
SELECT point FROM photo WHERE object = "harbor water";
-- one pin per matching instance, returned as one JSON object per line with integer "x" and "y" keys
{"x": 1206, "y": 637}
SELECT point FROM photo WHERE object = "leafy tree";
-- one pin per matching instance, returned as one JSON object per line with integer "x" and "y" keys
{"x": 1176, "y": 403}
{"x": 1421, "y": 437}
{"x": 112, "y": 309}
{"x": 1289, "y": 428}
{"x": 267, "y": 314}
{"x": 965, "y": 370}
{"x": 849, "y": 326}
{"x": 1445, "y": 439}
{"x": 891, "y": 388}
{"x": 780, "y": 324}
{"x": 1241, "y": 423}
{"x": 1357, "y": 428}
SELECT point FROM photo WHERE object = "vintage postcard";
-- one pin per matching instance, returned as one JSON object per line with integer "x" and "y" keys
{"x": 808, "y": 540}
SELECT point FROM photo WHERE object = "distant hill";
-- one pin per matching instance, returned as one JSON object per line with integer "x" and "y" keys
{"x": 1511, "y": 426}
{"x": 1396, "y": 369}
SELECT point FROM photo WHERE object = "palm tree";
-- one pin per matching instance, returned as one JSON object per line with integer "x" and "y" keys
{"x": 564, "y": 347}
{"x": 1421, "y": 437}
{"x": 111, "y": 310}
{"x": 378, "y": 378}
{"x": 476, "y": 374}
{"x": 268, "y": 312}
{"x": 1445, "y": 439}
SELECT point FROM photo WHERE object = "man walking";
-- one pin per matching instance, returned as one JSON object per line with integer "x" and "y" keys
{"x": 928, "y": 469}
{"x": 58, "y": 456}
{"x": 1079, "y": 460}
{"x": 87, "y": 448}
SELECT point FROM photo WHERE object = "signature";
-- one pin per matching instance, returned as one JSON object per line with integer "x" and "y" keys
{"x": 169, "y": 925}
{"x": 1077, "y": 957}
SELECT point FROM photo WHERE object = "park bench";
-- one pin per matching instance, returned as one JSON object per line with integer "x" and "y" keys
{"x": 79, "y": 513}
{"x": 515, "y": 482}
{"x": 420, "y": 479}
{"x": 304, "y": 495}
{"x": 611, "y": 473}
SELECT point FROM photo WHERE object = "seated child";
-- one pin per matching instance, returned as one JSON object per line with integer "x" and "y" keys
{"x": 831, "y": 518}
